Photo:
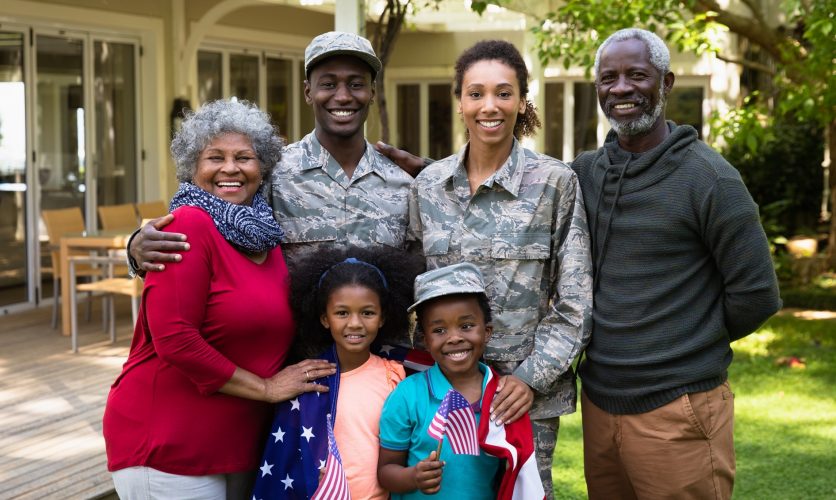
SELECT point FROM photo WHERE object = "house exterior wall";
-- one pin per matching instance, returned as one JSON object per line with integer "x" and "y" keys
{"x": 120, "y": 18}
{"x": 286, "y": 29}
{"x": 171, "y": 34}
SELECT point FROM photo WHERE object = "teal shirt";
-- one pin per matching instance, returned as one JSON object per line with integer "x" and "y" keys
{"x": 406, "y": 416}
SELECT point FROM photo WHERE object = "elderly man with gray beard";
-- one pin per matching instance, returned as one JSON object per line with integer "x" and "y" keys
{"x": 681, "y": 270}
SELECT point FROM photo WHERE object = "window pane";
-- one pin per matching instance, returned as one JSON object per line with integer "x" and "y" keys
{"x": 61, "y": 153}
{"x": 586, "y": 118}
{"x": 553, "y": 119}
{"x": 685, "y": 107}
{"x": 409, "y": 118}
{"x": 441, "y": 115}
{"x": 243, "y": 77}
{"x": 59, "y": 129}
{"x": 306, "y": 116}
{"x": 115, "y": 109}
{"x": 13, "y": 182}
{"x": 209, "y": 76}
{"x": 279, "y": 78}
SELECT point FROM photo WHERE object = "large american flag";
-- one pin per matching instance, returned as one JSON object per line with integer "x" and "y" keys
{"x": 456, "y": 420}
{"x": 297, "y": 446}
{"x": 515, "y": 444}
{"x": 413, "y": 360}
{"x": 334, "y": 485}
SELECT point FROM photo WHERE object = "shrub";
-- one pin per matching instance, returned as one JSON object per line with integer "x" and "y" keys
{"x": 784, "y": 176}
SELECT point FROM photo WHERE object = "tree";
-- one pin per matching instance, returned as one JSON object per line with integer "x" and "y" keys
{"x": 385, "y": 34}
{"x": 388, "y": 26}
{"x": 790, "y": 42}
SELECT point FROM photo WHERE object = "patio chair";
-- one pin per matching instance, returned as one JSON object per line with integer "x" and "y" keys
{"x": 109, "y": 286}
{"x": 118, "y": 217}
{"x": 59, "y": 223}
{"x": 151, "y": 209}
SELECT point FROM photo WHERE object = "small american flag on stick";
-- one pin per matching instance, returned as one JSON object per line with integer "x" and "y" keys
{"x": 334, "y": 485}
{"x": 456, "y": 420}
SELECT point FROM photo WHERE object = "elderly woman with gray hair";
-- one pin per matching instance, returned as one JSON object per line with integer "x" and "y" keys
{"x": 188, "y": 413}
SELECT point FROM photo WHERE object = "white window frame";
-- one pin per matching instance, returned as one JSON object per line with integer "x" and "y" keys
{"x": 457, "y": 129}
{"x": 145, "y": 147}
{"x": 226, "y": 49}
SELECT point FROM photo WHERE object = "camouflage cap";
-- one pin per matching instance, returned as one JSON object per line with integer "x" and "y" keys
{"x": 457, "y": 278}
{"x": 335, "y": 43}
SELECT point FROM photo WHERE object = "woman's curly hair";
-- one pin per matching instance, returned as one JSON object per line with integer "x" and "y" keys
{"x": 219, "y": 117}
{"x": 504, "y": 52}
{"x": 313, "y": 278}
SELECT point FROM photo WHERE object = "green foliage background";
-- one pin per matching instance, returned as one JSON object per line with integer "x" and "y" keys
{"x": 785, "y": 418}
{"x": 784, "y": 175}
{"x": 793, "y": 43}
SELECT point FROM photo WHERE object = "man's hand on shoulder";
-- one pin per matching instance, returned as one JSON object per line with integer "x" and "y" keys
{"x": 408, "y": 162}
{"x": 151, "y": 246}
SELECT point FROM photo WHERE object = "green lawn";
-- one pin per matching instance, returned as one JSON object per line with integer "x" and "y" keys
{"x": 785, "y": 417}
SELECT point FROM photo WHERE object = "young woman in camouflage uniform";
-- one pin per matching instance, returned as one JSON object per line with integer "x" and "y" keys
{"x": 519, "y": 216}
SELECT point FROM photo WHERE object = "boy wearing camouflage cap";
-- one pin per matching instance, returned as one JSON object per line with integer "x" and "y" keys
{"x": 332, "y": 187}
{"x": 454, "y": 317}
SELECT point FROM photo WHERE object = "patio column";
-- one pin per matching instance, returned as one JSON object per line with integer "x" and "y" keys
{"x": 350, "y": 16}
{"x": 536, "y": 85}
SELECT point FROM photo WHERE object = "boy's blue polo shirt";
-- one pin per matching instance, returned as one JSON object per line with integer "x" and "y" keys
{"x": 406, "y": 416}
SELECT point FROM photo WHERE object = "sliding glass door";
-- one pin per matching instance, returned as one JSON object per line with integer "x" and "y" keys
{"x": 13, "y": 178}
{"x": 68, "y": 138}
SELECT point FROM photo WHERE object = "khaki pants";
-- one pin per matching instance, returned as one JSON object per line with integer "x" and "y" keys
{"x": 684, "y": 449}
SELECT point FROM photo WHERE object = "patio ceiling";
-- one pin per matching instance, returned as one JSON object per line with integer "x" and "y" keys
{"x": 451, "y": 15}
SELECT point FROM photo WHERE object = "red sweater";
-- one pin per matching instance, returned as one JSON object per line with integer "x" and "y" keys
{"x": 199, "y": 319}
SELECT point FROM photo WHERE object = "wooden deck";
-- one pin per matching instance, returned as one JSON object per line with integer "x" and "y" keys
{"x": 51, "y": 405}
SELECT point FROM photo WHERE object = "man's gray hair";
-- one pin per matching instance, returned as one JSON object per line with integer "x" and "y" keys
{"x": 660, "y": 56}
{"x": 220, "y": 117}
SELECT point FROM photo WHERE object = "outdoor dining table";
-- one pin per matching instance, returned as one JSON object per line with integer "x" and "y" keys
{"x": 97, "y": 240}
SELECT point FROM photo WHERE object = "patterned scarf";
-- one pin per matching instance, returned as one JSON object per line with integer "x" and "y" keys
{"x": 251, "y": 229}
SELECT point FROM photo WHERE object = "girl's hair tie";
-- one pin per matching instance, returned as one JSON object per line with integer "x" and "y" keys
{"x": 352, "y": 260}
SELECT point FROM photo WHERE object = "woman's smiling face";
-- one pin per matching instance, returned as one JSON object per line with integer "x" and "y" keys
{"x": 490, "y": 102}
{"x": 229, "y": 169}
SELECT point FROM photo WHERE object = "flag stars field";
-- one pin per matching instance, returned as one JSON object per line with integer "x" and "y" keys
{"x": 386, "y": 349}
{"x": 266, "y": 469}
{"x": 279, "y": 435}
{"x": 307, "y": 433}
{"x": 301, "y": 448}
{"x": 288, "y": 482}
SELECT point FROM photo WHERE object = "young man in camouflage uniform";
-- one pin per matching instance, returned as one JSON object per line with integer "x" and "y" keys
{"x": 332, "y": 187}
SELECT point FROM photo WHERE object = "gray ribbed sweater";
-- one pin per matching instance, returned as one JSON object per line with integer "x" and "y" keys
{"x": 683, "y": 269}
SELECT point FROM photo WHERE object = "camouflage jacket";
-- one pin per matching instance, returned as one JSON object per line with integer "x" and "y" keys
{"x": 525, "y": 228}
{"x": 317, "y": 204}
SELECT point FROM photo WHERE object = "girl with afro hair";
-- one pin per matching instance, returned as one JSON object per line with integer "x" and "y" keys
{"x": 344, "y": 301}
